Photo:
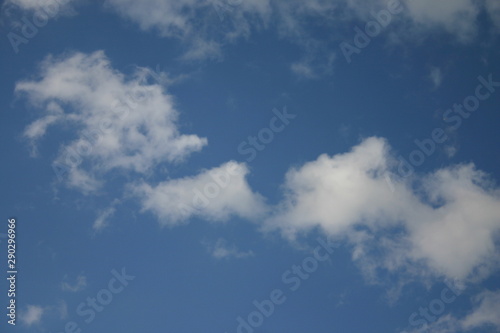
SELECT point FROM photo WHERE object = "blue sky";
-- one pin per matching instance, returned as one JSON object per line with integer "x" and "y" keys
{"x": 251, "y": 166}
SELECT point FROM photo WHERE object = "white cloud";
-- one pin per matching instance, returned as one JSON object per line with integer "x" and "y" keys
{"x": 79, "y": 284}
{"x": 222, "y": 250}
{"x": 445, "y": 223}
{"x": 336, "y": 192}
{"x": 214, "y": 194}
{"x": 120, "y": 123}
{"x": 32, "y": 315}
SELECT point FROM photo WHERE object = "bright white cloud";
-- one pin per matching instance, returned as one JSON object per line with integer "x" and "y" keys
{"x": 446, "y": 223}
{"x": 119, "y": 122}
{"x": 32, "y": 315}
{"x": 337, "y": 192}
{"x": 214, "y": 194}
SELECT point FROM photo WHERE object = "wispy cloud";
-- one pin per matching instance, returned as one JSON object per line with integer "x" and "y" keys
{"x": 32, "y": 315}
{"x": 221, "y": 249}
{"x": 102, "y": 219}
{"x": 484, "y": 314}
{"x": 79, "y": 284}
{"x": 62, "y": 309}
{"x": 436, "y": 77}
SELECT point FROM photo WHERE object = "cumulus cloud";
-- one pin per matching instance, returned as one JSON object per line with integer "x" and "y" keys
{"x": 119, "y": 122}
{"x": 445, "y": 223}
{"x": 214, "y": 194}
{"x": 32, "y": 315}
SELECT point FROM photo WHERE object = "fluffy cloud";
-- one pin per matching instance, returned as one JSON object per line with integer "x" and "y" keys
{"x": 447, "y": 222}
{"x": 122, "y": 123}
{"x": 214, "y": 194}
